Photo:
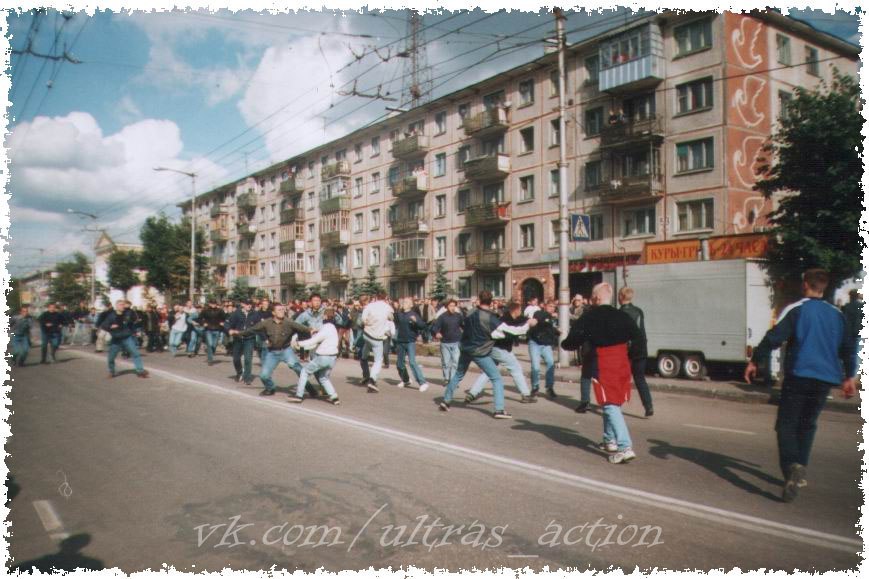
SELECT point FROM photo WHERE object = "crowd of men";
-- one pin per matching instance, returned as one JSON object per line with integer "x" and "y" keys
{"x": 610, "y": 344}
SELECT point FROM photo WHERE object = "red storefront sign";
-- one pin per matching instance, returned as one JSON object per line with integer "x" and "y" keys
{"x": 607, "y": 262}
{"x": 672, "y": 251}
{"x": 737, "y": 246}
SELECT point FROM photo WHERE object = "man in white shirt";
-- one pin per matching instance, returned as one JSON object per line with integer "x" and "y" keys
{"x": 324, "y": 343}
{"x": 377, "y": 325}
{"x": 531, "y": 308}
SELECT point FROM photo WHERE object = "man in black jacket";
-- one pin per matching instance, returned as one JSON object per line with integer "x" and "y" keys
{"x": 122, "y": 324}
{"x": 447, "y": 328}
{"x": 241, "y": 320}
{"x": 638, "y": 361}
{"x": 212, "y": 319}
{"x": 51, "y": 327}
{"x": 542, "y": 338}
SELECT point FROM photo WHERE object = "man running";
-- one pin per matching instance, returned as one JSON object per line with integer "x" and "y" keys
{"x": 212, "y": 319}
{"x": 376, "y": 321}
{"x": 122, "y": 324}
{"x": 638, "y": 363}
{"x": 51, "y": 327}
{"x": 408, "y": 326}
{"x": 541, "y": 340}
{"x": 448, "y": 329}
{"x": 279, "y": 331}
{"x": 21, "y": 326}
{"x": 241, "y": 320}
{"x": 817, "y": 337}
{"x": 325, "y": 346}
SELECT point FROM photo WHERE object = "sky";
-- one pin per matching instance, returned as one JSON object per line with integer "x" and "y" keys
{"x": 220, "y": 94}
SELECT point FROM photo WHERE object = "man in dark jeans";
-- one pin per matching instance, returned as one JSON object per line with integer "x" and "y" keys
{"x": 638, "y": 360}
{"x": 241, "y": 320}
{"x": 817, "y": 337}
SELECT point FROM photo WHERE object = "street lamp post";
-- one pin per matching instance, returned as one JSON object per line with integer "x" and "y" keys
{"x": 192, "y": 225}
{"x": 94, "y": 261}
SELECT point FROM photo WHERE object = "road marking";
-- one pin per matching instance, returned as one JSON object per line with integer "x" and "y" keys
{"x": 50, "y": 520}
{"x": 522, "y": 556}
{"x": 734, "y": 431}
{"x": 581, "y": 483}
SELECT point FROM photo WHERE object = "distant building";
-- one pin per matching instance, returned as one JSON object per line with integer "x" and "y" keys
{"x": 139, "y": 295}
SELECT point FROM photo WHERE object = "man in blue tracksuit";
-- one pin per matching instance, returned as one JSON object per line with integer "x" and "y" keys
{"x": 818, "y": 345}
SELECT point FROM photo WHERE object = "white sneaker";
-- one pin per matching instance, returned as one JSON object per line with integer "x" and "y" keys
{"x": 608, "y": 446}
{"x": 623, "y": 456}
{"x": 423, "y": 387}
{"x": 400, "y": 385}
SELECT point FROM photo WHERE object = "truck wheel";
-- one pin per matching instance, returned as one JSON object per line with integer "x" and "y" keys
{"x": 693, "y": 367}
{"x": 669, "y": 365}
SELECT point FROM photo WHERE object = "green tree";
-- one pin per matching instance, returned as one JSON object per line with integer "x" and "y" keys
{"x": 442, "y": 288}
{"x": 814, "y": 161}
{"x": 166, "y": 255}
{"x": 71, "y": 282}
{"x": 307, "y": 292}
{"x": 240, "y": 291}
{"x": 13, "y": 298}
{"x": 355, "y": 289}
{"x": 122, "y": 272}
{"x": 371, "y": 285}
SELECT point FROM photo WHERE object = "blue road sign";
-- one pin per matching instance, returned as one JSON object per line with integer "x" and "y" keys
{"x": 580, "y": 227}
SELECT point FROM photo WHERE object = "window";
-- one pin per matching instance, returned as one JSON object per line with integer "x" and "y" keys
{"x": 526, "y": 188}
{"x": 393, "y": 176}
{"x": 693, "y": 37}
{"x": 311, "y": 200}
{"x": 526, "y": 92}
{"x": 440, "y": 206}
{"x": 694, "y": 215}
{"x": 638, "y": 222}
{"x": 554, "y": 180}
{"x": 554, "y": 133}
{"x": 526, "y": 140}
{"x": 357, "y": 257}
{"x": 694, "y": 96}
{"x": 341, "y": 155}
{"x": 526, "y": 236}
{"x": 310, "y": 169}
{"x": 416, "y": 127}
{"x": 463, "y": 110}
{"x": 463, "y": 244}
{"x": 273, "y": 240}
{"x": 310, "y": 236}
{"x": 357, "y": 152}
{"x": 375, "y": 182}
{"x": 812, "y": 61}
{"x": 441, "y": 123}
{"x": 493, "y": 193}
{"x": 554, "y": 236}
{"x": 440, "y": 248}
{"x": 463, "y": 199}
{"x": 495, "y": 284}
{"x": 553, "y": 82}
{"x": 784, "y": 101}
{"x": 463, "y": 156}
{"x": 592, "y": 69}
{"x": 357, "y": 187}
{"x": 415, "y": 210}
{"x": 440, "y": 165}
{"x": 357, "y": 223}
{"x": 595, "y": 226}
{"x": 593, "y": 175}
{"x": 375, "y": 146}
{"x": 695, "y": 155}
{"x": 272, "y": 268}
{"x": 493, "y": 239}
{"x": 262, "y": 214}
{"x": 493, "y": 100}
{"x": 783, "y": 49}
{"x": 620, "y": 50}
{"x": 375, "y": 219}
{"x": 262, "y": 242}
{"x": 639, "y": 108}
{"x": 272, "y": 213}
{"x": 416, "y": 289}
{"x": 324, "y": 160}
{"x": 262, "y": 269}
{"x": 392, "y": 214}
{"x": 593, "y": 122}
{"x": 374, "y": 256}
{"x": 311, "y": 263}
{"x": 463, "y": 288}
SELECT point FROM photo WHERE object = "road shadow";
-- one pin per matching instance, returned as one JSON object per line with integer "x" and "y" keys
{"x": 721, "y": 465}
{"x": 68, "y": 558}
{"x": 561, "y": 435}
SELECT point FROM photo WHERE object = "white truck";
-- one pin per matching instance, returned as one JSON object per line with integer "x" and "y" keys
{"x": 702, "y": 312}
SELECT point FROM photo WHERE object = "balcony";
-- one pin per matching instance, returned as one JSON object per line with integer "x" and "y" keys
{"x": 246, "y": 201}
{"x": 246, "y": 229}
{"x": 629, "y": 189}
{"x": 330, "y": 239}
{"x": 489, "y": 122}
{"x": 290, "y": 187}
{"x": 333, "y": 204}
{"x": 217, "y": 210}
{"x": 411, "y": 185}
{"x": 292, "y": 278}
{"x": 488, "y": 260}
{"x": 335, "y": 275}
{"x": 336, "y": 169}
{"x": 632, "y": 132}
{"x": 488, "y": 168}
{"x": 488, "y": 214}
{"x": 411, "y": 147}
{"x": 219, "y": 260}
{"x": 409, "y": 226}
{"x": 290, "y": 215}
{"x": 219, "y": 235}
{"x": 246, "y": 254}
{"x": 244, "y": 280}
{"x": 410, "y": 267}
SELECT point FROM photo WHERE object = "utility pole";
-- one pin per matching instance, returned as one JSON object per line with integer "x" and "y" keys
{"x": 564, "y": 225}
{"x": 192, "y": 225}
{"x": 416, "y": 65}
{"x": 97, "y": 231}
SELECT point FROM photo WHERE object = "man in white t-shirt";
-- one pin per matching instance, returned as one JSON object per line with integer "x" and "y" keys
{"x": 531, "y": 308}
{"x": 377, "y": 325}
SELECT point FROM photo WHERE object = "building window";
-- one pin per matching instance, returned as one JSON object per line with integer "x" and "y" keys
{"x": 494, "y": 284}
{"x": 693, "y": 37}
{"x": 262, "y": 269}
{"x": 526, "y": 92}
{"x": 463, "y": 156}
{"x": 593, "y": 175}
{"x": 553, "y": 82}
{"x": 310, "y": 232}
{"x": 526, "y": 236}
{"x": 463, "y": 199}
{"x": 357, "y": 187}
{"x": 375, "y": 219}
{"x": 463, "y": 288}
{"x": 638, "y": 222}
{"x": 554, "y": 132}
{"x": 695, "y": 155}
{"x": 440, "y": 248}
{"x": 812, "y": 61}
{"x": 595, "y": 232}
{"x": 416, "y": 289}
{"x": 357, "y": 152}
{"x": 357, "y": 257}
{"x": 262, "y": 242}
{"x": 493, "y": 100}
{"x": 440, "y": 206}
{"x": 341, "y": 155}
{"x": 273, "y": 240}
{"x": 440, "y": 164}
{"x": 526, "y": 140}
{"x": 393, "y": 176}
{"x": 554, "y": 235}
{"x": 526, "y": 188}
{"x": 311, "y": 201}
{"x": 554, "y": 180}
{"x": 311, "y": 263}
{"x": 592, "y": 69}
{"x": 441, "y": 123}
{"x": 696, "y": 215}
{"x": 374, "y": 256}
{"x": 463, "y": 244}
{"x": 310, "y": 169}
{"x": 375, "y": 146}
{"x": 493, "y": 239}
{"x": 631, "y": 46}
{"x": 375, "y": 182}
{"x": 357, "y": 223}
{"x": 783, "y": 49}
{"x": 784, "y": 101}
{"x": 694, "y": 96}
{"x": 593, "y": 122}
{"x": 463, "y": 110}
{"x": 493, "y": 193}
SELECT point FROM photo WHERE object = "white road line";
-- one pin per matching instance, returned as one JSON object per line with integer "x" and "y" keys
{"x": 50, "y": 520}
{"x": 696, "y": 510}
{"x": 522, "y": 556}
{"x": 719, "y": 429}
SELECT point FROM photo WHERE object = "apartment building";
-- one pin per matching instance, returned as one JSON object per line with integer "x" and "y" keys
{"x": 665, "y": 122}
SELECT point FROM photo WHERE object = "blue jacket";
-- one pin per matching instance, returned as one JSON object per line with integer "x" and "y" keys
{"x": 408, "y": 325}
{"x": 815, "y": 332}
{"x": 477, "y": 334}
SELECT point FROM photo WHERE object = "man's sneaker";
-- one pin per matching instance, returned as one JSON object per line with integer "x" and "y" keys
{"x": 334, "y": 400}
{"x": 550, "y": 393}
{"x": 295, "y": 399}
{"x": 796, "y": 473}
{"x": 190, "y": 355}
{"x": 470, "y": 397}
{"x": 528, "y": 400}
{"x": 423, "y": 387}
{"x": 650, "y": 412}
{"x": 110, "y": 376}
{"x": 535, "y": 391}
{"x": 582, "y": 408}
{"x": 444, "y": 406}
{"x": 608, "y": 446}
{"x": 143, "y": 374}
{"x": 400, "y": 385}
{"x": 238, "y": 377}
{"x": 267, "y": 392}
{"x": 622, "y": 456}
{"x": 372, "y": 386}
{"x": 502, "y": 415}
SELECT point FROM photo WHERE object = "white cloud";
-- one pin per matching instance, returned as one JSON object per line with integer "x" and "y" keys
{"x": 19, "y": 214}
{"x": 127, "y": 110}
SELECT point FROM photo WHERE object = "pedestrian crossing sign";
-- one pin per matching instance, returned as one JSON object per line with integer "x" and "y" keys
{"x": 580, "y": 227}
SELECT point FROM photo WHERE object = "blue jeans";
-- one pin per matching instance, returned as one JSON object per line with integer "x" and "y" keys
{"x": 272, "y": 359}
{"x": 488, "y": 366}
{"x": 321, "y": 367}
{"x": 409, "y": 349}
{"x": 243, "y": 347}
{"x": 449, "y": 359}
{"x": 802, "y": 400}
{"x": 195, "y": 338}
{"x": 212, "y": 338}
{"x": 509, "y": 361}
{"x": 52, "y": 340}
{"x": 371, "y": 346}
{"x": 20, "y": 349}
{"x": 175, "y": 337}
{"x": 614, "y": 427}
{"x": 537, "y": 351}
{"x": 130, "y": 345}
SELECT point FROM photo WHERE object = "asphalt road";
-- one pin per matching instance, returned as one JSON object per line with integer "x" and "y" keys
{"x": 189, "y": 469}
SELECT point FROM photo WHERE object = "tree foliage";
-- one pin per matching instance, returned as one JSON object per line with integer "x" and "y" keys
{"x": 240, "y": 291}
{"x": 122, "y": 272}
{"x": 442, "y": 288}
{"x": 71, "y": 282}
{"x": 166, "y": 255}
{"x": 371, "y": 285}
{"x": 813, "y": 160}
